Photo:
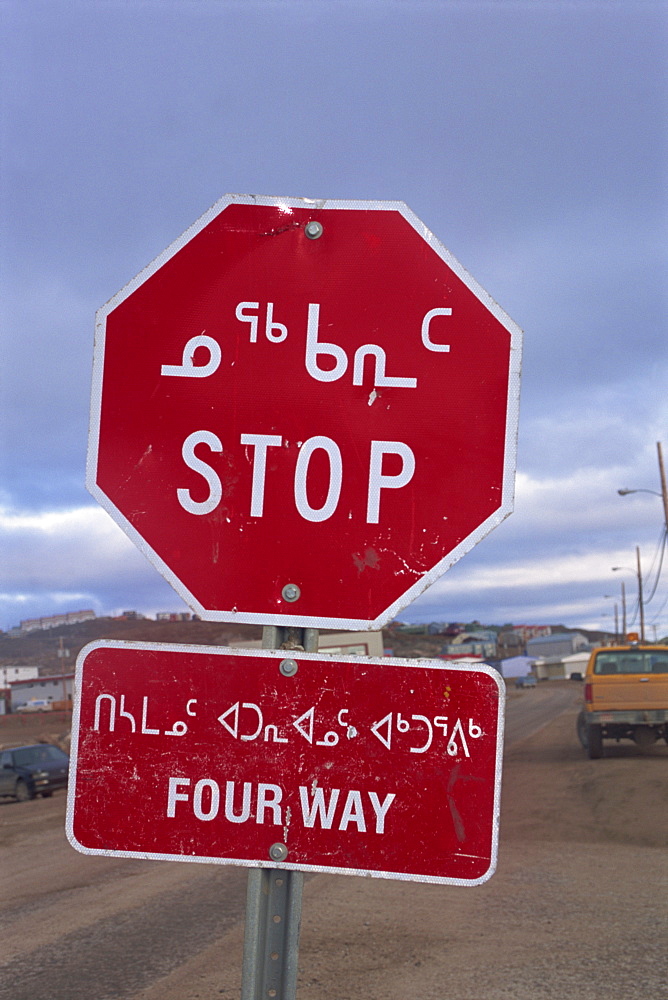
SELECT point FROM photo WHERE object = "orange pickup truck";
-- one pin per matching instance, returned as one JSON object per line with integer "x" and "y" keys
{"x": 625, "y": 696}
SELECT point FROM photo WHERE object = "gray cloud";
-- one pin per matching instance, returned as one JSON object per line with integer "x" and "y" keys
{"x": 527, "y": 138}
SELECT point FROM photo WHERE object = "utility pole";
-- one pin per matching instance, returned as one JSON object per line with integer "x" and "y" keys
{"x": 623, "y": 611}
{"x": 640, "y": 599}
{"x": 664, "y": 490}
{"x": 664, "y": 497}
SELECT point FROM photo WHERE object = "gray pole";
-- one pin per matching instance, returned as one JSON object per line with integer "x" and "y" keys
{"x": 623, "y": 612}
{"x": 640, "y": 598}
{"x": 274, "y": 896}
{"x": 664, "y": 489}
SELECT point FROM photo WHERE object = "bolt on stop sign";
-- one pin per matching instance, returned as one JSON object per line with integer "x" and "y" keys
{"x": 304, "y": 411}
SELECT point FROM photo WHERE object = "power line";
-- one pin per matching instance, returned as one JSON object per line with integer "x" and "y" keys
{"x": 660, "y": 611}
{"x": 658, "y": 554}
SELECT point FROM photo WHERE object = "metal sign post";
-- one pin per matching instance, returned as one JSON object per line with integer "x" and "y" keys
{"x": 274, "y": 896}
{"x": 400, "y": 368}
{"x": 271, "y": 943}
{"x": 286, "y": 760}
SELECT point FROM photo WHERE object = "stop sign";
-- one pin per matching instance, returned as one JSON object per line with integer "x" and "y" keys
{"x": 304, "y": 411}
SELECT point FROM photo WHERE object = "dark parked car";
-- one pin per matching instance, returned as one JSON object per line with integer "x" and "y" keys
{"x": 35, "y": 770}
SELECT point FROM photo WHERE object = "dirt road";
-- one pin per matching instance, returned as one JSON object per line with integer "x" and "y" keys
{"x": 575, "y": 909}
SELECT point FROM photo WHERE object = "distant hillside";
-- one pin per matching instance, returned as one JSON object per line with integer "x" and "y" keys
{"x": 41, "y": 648}
{"x": 409, "y": 645}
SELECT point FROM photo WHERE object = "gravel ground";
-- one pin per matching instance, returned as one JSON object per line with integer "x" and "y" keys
{"x": 576, "y": 909}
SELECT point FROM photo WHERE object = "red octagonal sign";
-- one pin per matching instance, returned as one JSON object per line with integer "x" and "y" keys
{"x": 304, "y": 411}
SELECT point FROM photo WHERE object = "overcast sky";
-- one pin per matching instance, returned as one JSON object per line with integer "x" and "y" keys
{"x": 529, "y": 136}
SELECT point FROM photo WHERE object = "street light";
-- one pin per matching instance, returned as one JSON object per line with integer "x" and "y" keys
{"x": 664, "y": 497}
{"x": 640, "y": 598}
{"x": 625, "y": 493}
{"x": 664, "y": 489}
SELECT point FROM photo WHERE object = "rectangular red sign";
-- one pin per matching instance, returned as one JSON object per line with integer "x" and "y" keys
{"x": 263, "y": 758}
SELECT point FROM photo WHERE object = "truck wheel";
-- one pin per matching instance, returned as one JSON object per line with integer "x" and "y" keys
{"x": 645, "y": 737}
{"x": 594, "y": 742}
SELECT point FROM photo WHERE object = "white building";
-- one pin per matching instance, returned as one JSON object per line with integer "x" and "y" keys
{"x": 560, "y": 644}
{"x": 55, "y": 621}
{"x": 10, "y": 674}
{"x": 558, "y": 667}
{"x": 336, "y": 643}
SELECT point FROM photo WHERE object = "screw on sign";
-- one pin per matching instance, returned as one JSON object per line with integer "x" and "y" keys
{"x": 304, "y": 411}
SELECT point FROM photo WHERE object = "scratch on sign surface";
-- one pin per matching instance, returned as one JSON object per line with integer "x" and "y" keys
{"x": 370, "y": 560}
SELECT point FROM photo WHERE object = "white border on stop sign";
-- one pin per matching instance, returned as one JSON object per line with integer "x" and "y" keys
{"x": 512, "y": 416}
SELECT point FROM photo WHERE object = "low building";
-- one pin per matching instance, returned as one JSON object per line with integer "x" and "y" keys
{"x": 480, "y": 643}
{"x": 351, "y": 643}
{"x": 576, "y": 664}
{"x": 561, "y": 667}
{"x": 10, "y": 674}
{"x": 55, "y": 621}
{"x": 509, "y": 643}
{"x": 463, "y": 658}
{"x": 337, "y": 643}
{"x": 516, "y": 666}
{"x": 559, "y": 644}
{"x": 56, "y": 688}
{"x": 484, "y": 650}
{"x": 526, "y": 632}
